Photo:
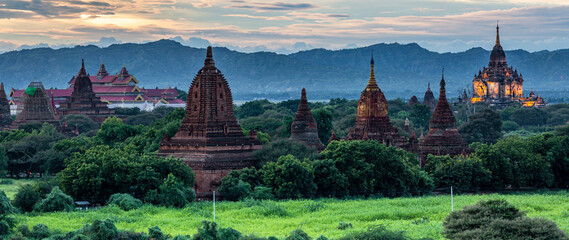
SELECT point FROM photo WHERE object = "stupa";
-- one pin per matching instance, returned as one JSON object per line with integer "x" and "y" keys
{"x": 304, "y": 128}
{"x": 37, "y": 106}
{"x": 443, "y": 138}
{"x": 5, "y": 117}
{"x": 429, "y": 99}
{"x": 210, "y": 140}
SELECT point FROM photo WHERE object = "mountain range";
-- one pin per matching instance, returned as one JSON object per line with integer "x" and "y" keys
{"x": 402, "y": 70}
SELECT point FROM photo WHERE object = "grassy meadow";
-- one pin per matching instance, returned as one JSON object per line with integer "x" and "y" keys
{"x": 420, "y": 217}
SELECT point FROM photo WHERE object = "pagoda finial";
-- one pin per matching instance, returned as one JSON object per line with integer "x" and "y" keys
{"x": 372, "y": 83}
{"x": 443, "y": 81}
{"x": 82, "y": 72}
{"x": 428, "y": 86}
{"x": 497, "y": 34}
{"x": 209, "y": 57}
{"x": 303, "y": 94}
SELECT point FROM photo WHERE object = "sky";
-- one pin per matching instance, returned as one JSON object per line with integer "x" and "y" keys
{"x": 286, "y": 26}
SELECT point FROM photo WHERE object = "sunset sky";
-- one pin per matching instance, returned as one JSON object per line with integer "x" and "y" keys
{"x": 285, "y": 26}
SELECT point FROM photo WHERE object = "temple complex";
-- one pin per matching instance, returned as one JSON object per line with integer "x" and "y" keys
{"x": 83, "y": 100}
{"x": 304, "y": 128}
{"x": 429, "y": 99}
{"x": 37, "y": 106}
{"x": 118, "y": 90}
{"x": 443, "y": 138}
{"x": 209, "y": 139}
{"x": 372, "y": 121}
{"x": 500, "y": 85}
{"x": 5, "y": 118}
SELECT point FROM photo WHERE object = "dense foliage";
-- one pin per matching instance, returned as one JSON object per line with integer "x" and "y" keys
{"x": 497, "y": 219}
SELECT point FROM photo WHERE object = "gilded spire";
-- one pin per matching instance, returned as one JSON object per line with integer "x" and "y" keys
{"x": 497, "y": 35}
{"x": 371, "y": 83}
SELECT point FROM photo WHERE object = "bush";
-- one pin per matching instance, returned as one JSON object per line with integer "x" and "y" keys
{"x": 55, "y": 201}
{"x": 462, "y": 173}
{"x": 172, "y": 193}
{"x": 344, "y": 226}
{"x": 100, "y": 230}
{"x": 124, "y": 201}
{"x": 290, "y": 177}
{"x": 497, "y": 219}
{"x": 376, "y": 232}
{"x": 4, "y": 228}
{"x": 40, "y": 231}
{"x": 262, "y": 193}
{"x": 298, "y": 235}
{"x": 5, "y": 206}
{"x": 508, "y": 126}
{"x": 26, "y": 198}
{"x": 156, "y": 233}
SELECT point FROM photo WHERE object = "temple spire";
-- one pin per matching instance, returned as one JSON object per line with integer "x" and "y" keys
{"x": 82, "y": 72}
{"x": 372, "y": 83}
{"x": 102, "y": 71}
{"x": 497, "y": 35}
{"x": 208, "y": 62}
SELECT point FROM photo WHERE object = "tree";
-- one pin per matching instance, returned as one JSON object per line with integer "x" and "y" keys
{"x": 250, "y": 109}
{"x": 371, "y": 167}
{"x": 272, "y": 151}
{"x": 462, "y": 173}
{"x": 26, "y": 197}
{"x": 289, "y": 177}
{"x": 330, "y": 181}
{"x": 484, "y": 126}
{"x": 420, "y": 115}
{"x": 55, "y": 201}
{"x": 530, "y": 117}
{"x": 81, "y": 122}
{"x": 323, "y": 118}
{"x": 113, "y": 130}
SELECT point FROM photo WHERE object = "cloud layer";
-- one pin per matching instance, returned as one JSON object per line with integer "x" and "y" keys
{"x": 440, "y": 25}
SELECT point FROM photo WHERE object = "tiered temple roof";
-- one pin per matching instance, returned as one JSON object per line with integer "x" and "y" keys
{"x": 443, "y": 138}
{"x": 304, "y": 128}
{"x": 83, "y": 100}
{"x": 209, "y": 139}
{"x": 413, "y": 101}
{"x": 372, "y": 121}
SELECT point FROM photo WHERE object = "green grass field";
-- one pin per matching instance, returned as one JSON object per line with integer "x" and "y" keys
{"x": 419, "y": 217}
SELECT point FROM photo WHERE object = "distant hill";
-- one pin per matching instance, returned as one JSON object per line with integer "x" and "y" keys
{"x": 401, "y": 70}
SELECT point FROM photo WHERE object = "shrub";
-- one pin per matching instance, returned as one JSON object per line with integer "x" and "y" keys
{"x": 233, "y": 188}
{"x": 24, "y": 230}
{"x": 228, "y": 234}
{"x": 497, "y": 219}
{"x": 298, "y": 235}
{"x": 344, "y": 226}
{"x": 124, "y": 201}
{"x": 156, "y": 233}
{"x": 462, "y": 173}
{"x": 100, "y": 230}
{"x": 4, "y": 228}
{"x": 262, "y": 193}
{"x": 26, "y": 198}
{"x": 5, "y": 206}
{"x": 208, "y": 231}
{"x": 376, "y": 232}
{"x": 40, "y": 231}
{"x": 290, "y": 177}
{"x": 55, "y": 201}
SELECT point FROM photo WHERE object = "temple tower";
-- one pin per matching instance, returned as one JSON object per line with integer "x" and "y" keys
{"x": 443, "y": 137}
{"x": 83, "y": 100}
{"x": 37, "y": 106}
{"x": 429, "y": 98}
{"x": 209, "y": 139}
{"x": 304, "y": 128}
{"x": 5, "y": 117}
{"x": 372, "y": 121}
{"x": 413, "y": 101}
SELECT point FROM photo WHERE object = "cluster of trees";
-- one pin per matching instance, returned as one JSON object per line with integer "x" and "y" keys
{"x": 540, "y": 161}
{"x": 344, "y": 168}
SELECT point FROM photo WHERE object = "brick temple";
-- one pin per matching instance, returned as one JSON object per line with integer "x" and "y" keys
{"x": 37, "y": 106}
{"x": 372, "y": 121}
{"x": 304, "y": 128}
{"x": 443, "y": 138}
{"x": 501, "y": 85}
{"x": 429, "y": 98}
{"x": 83, "y": 100}
{"x": 209, "y": 139}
